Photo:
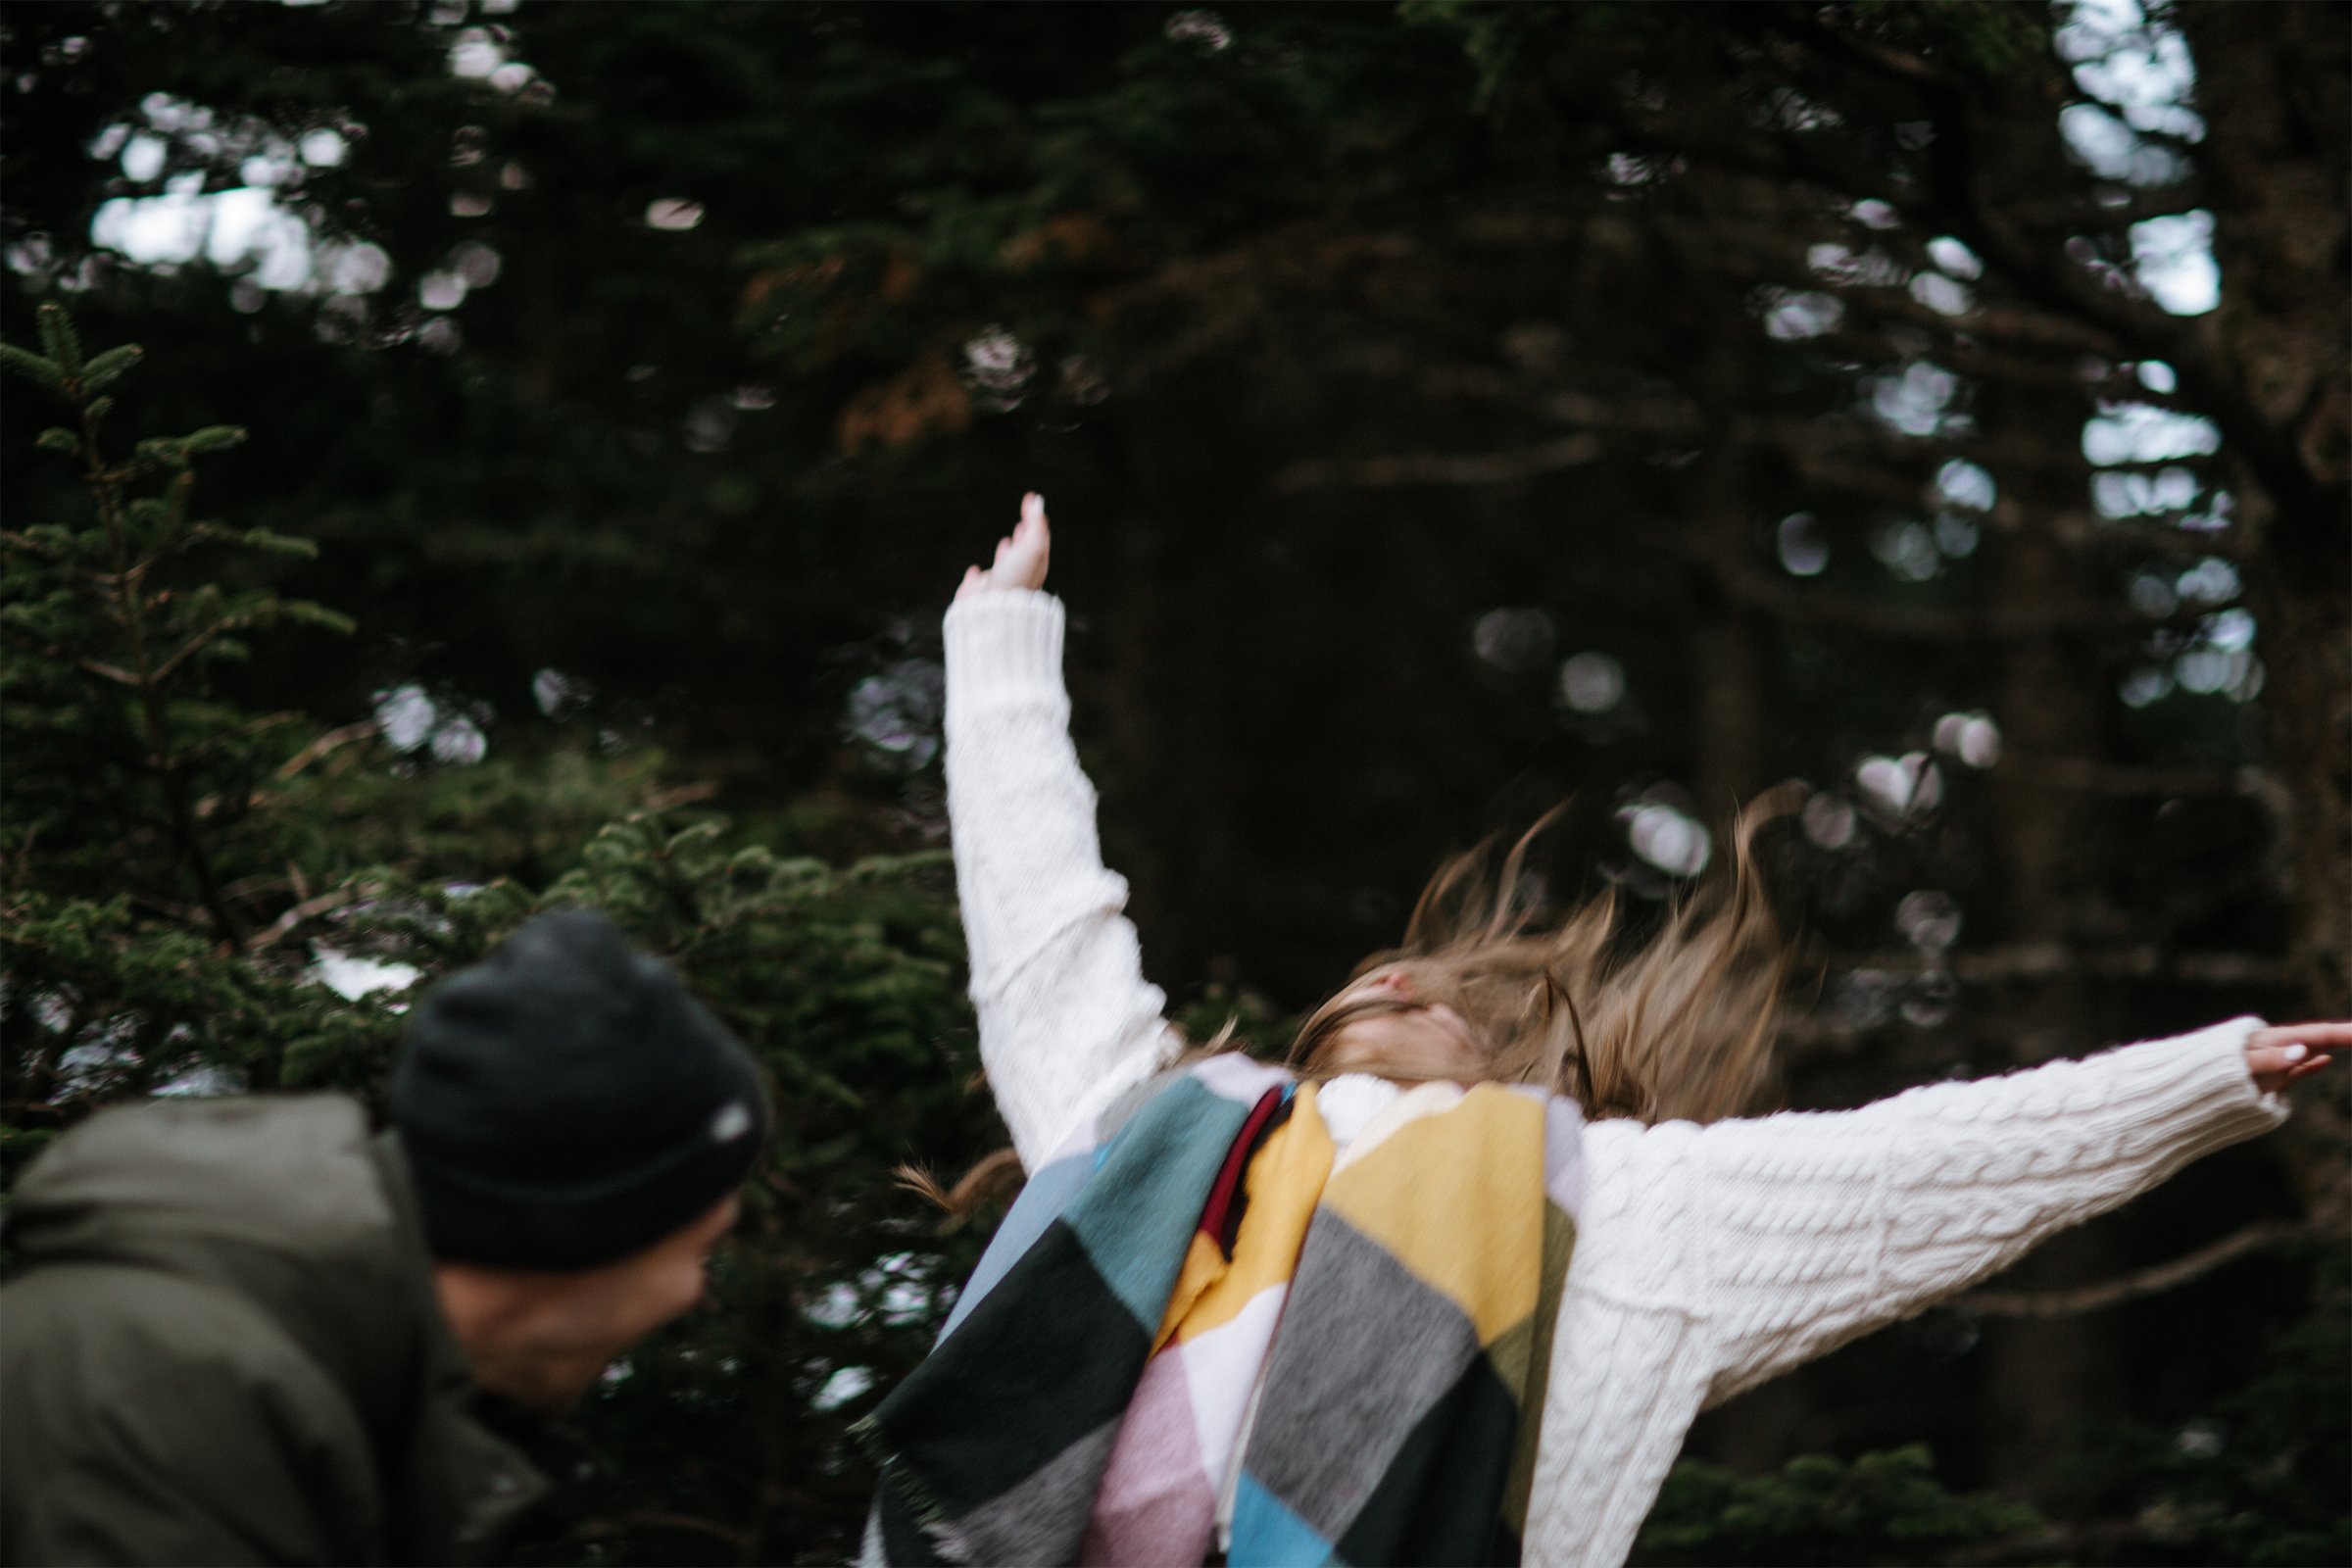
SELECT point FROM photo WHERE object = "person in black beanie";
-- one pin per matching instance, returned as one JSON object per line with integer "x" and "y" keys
{"x": 245, "y": 1330}
{"x": 566, "y": 1103}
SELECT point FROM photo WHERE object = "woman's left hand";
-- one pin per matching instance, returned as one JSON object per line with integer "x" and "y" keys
{"x": 2283, "y": 1053}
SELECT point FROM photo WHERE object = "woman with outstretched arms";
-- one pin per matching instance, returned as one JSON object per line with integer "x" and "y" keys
{"x": 1452, "y": 1285}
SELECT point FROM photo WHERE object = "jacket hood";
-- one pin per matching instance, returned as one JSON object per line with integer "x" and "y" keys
{"x": 288, "y": 1202}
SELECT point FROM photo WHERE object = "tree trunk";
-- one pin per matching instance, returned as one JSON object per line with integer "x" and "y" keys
{"x": 1727, "y": 648}
{"x": 2041, "y": 1376}
{"x": 2274, "y": 83}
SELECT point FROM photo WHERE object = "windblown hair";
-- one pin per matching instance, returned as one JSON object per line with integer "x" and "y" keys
{"x": 994, "y": 1177}
{"x": 1676, "y": 1026}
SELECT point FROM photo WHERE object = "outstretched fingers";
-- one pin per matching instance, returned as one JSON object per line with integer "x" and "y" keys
{"x": 2285, "y": 1054}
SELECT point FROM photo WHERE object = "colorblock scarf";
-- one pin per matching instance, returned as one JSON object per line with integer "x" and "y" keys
{"x": 1204, "y": 1270}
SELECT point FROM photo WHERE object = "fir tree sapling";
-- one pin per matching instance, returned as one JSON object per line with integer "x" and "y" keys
{"x": 143, "y": 877}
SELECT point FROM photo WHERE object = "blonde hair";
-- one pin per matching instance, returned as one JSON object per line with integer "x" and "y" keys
{"x": 1679, "y": 1026}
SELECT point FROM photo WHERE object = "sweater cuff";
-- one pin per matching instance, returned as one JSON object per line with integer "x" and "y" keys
{"x": 2214, "y": 1089}
{"x": 1005, "y": 642}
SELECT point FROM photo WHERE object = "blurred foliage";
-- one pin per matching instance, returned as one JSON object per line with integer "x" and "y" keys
{"x": 732, "y": 1425}
{"x": 2247, "y": 1480}
{"x": 843, "y": 982}
{"x": 1446, "y": 408}
{"x": 1882, "y": 1508}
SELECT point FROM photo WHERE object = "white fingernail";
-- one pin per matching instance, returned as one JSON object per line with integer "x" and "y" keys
{"x": 2297, "y": 1052}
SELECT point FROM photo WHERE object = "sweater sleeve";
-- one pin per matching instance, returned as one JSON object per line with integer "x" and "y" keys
{"x": 1815, "y": 1228}
{"x": 1068, "y": 1021}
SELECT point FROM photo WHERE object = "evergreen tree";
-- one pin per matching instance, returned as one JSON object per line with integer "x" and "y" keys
{"x": 169, "y": 857}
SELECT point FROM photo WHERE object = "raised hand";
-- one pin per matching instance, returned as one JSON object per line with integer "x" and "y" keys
{"x": 1021, "y": 555}
{"x": 2287, "y": 1052}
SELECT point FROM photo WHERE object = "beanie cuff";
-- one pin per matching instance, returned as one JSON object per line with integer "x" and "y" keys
{"x": 496, "y": 1224}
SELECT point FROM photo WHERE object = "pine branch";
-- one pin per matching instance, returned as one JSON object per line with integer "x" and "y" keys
{"x": 105, "y": 671}
{"x": 1440, "y": 468}
{"x": 1751, "y": 589}
{"x": 201, "y": 640}
{"x": 2111, "y": 778}
{"x": 307, "y": 909}
{"x": 2057, "y": 962}
{"x": 2139, "y": 1283}
{"x": 106, "y": 488}
{"x": 333, "y": 741}
{"x": 2144, "y": 330}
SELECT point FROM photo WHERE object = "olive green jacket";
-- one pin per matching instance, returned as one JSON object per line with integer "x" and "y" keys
{"x": 221, "y": 1344}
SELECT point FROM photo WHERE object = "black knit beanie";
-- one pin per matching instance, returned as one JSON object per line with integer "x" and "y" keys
{"x": 566, "y": 1103}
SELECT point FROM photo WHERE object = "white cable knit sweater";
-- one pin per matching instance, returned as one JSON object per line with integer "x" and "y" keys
{"x": 1707, "y": 1259}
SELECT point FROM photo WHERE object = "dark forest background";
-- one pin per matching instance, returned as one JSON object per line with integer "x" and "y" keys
{"x": 1446, "y": 410}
